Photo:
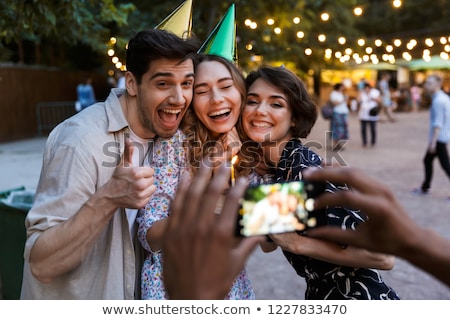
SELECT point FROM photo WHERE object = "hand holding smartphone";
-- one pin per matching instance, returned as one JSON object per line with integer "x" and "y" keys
{"x": 280, "y": 207}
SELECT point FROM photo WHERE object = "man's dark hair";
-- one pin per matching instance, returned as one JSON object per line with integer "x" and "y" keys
{"x": 153, "y": 44}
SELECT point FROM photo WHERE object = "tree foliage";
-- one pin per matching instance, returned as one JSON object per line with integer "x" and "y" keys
{"x": 64, "y": 22}
{"x": 74, "y": 27}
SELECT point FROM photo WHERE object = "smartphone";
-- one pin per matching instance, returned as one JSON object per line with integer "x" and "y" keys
{"x": 280, "y": 207}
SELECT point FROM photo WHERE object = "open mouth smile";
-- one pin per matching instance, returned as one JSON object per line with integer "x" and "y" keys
{"x": 220, "y": 114}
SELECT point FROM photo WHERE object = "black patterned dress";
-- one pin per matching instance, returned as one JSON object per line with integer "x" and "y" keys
{"x": 327, "y": 281}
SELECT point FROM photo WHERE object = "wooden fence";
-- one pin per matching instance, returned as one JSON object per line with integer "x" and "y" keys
{"x": 23, "y": 88}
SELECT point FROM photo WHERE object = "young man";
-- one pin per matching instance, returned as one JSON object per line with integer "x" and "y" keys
{"x": 81, "y": 231}
{"x": 439, "y": 134}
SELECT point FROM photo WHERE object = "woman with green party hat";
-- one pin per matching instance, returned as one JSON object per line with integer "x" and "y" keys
{"x": 219, "y": 95}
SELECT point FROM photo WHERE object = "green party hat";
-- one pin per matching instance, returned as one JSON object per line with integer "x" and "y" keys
{"x": 179, "y": 21}
{"x": 222, "y": 40}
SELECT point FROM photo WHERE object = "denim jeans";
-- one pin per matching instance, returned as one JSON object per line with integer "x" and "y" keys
{"x": 373, "y": 131}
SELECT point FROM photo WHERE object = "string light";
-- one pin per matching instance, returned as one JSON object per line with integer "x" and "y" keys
{"x": 397, "y": 3}
{"x": 322, "y": 37}
{"x": 358, "y": 11}
{"x": 377, "y": 49}
{"x": 325, "y": 16}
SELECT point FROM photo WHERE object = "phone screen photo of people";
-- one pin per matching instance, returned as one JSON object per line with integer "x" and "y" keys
{"x": 274, "y": 208}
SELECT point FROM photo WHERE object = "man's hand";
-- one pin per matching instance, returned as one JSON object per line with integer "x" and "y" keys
{"x": 388, "y": 227}
{"x": 131, "y": 186}
{"x": 201, "y": 255}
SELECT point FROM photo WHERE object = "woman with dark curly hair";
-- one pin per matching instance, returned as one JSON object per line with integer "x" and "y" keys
{"x": 278, "y": 113}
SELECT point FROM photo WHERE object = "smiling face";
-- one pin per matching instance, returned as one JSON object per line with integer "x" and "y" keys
{"x": 162, "y": 97}
{"x": 267, "y": 116}
{"x": 217, "y": 100}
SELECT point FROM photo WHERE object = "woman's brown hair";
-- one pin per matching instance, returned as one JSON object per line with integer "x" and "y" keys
{"x": 199, "y": 141}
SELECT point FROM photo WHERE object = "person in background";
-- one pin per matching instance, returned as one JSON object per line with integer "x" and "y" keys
{"x": 439, "y": 132}
{"x": 416, "y": 94}
{"x": 277, "y": 115}
{"x": 339, "y": 120}
{"x": 387, "y": 104}
{"x": 120, "y": 80}
{"x": 81, "y": 231}
{"x": 111, "y": 83}
{"x": 361, "y": 83}
{"x": 368, "y": 98}
{"x": 85, "y": 93}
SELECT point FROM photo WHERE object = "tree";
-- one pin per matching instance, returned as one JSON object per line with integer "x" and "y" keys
{"x": 63, "y": 25}
{"x": 56, "y": 23}
{"x": 289, "y": 46}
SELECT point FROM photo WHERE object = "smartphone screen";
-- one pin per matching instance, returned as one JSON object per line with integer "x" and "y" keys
{"x": 279, "y": 207}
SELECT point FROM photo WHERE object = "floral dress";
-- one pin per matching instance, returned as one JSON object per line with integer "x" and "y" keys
{"x": 168, "y": 158}
{"x": 327, "y": 281}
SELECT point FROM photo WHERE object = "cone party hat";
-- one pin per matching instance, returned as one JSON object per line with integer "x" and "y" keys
{"x": 179, "y": 21}
{"x": 222, "y": 40}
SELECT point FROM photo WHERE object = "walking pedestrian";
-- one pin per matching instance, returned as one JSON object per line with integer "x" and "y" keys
{"x": 416, "y": 94}
{"x": 386, "y": 97}
{"x": 339, "y": 120}
{"x": 439, "y": 132}
{"x": 369, "y": 99}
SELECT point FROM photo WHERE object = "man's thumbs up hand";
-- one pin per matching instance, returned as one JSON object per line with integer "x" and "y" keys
{"x": 131, "y": 185}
